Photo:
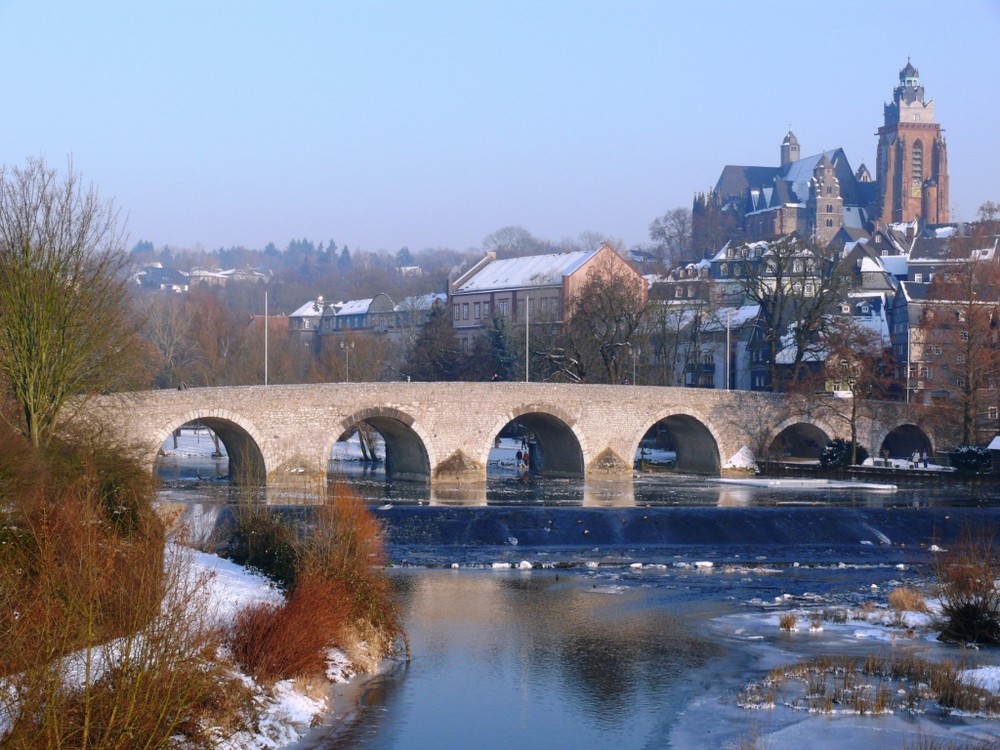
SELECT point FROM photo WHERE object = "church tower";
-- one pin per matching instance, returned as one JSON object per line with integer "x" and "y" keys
{"x": 789, "y": 149}
{"x": 825, "y": 205}
{"x": 912, "y": 166}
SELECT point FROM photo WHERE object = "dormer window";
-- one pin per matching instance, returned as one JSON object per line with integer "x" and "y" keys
{"x": 846, "y": 309}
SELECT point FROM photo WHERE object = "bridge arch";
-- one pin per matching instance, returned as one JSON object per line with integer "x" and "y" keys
{"x": 903, "y": 439}
{"x": 560, "y": 449}
{"x": 242, "y": 439}
{"x": 799, "y": 438}
{"x": 406, "y": 452}
{"x": 695, "y": 440}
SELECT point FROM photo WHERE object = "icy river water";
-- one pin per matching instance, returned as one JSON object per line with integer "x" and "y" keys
{"x": 537, "y": 621}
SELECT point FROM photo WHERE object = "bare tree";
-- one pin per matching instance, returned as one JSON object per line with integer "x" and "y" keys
{"x": 856, "y": 378}
{"x": 672, "y": 235}
{"x": 606, "y": 320}
{"x": 66, "y": 327}
{"x": 167, "y": 325}
{"x": 796, "y": 286}
{"x": 959, "y": 333}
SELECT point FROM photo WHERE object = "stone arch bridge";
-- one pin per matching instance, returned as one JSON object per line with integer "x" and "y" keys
{"x": 443, "y": 432}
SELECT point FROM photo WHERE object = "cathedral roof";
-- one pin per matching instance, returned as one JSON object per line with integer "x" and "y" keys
{"x": 737, "y": 180}
{"x": 909, "y": 71}
{"x": 790, "y": 140}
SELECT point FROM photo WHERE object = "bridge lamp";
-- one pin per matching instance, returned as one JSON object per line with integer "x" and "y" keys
{"x": 347, "y": 346}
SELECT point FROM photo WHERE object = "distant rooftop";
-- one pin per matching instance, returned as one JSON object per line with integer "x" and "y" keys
{"x": 526, "y": 272}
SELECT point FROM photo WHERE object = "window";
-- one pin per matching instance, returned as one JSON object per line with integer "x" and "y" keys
{"x": 486, "y": 309}
{"x": 504, "y": 307}
{"x": 678, "y": 291}
{"x": 724, "y": 270}
{"x": 829, "y": 191}
{"x": 965, "y": 336}
{"x": 456, "y": 312}
{"x": 878, "y": 239}
{"x": 925, "y": 373}
{"x": 918, "y": 163}
{"x": 465, "y": 311}
{"x": 960, "y": 359}
{"x": 476, "y": 310}
{"x": 691, "y": 291}
{"x": 845, "y": 309}
{"x": 935, "y": 349}
{"x": 797, "y": 266}
{"x": 829, "y": 222}
{"x": 992, "y": 413}
{"x": 829, "y": 208}
{"x": 918, "y": 277}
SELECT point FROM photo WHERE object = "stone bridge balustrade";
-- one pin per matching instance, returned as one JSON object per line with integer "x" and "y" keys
{"x": 282, "y": 436}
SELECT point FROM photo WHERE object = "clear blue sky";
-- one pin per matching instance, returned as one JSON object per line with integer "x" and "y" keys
{"x": 432, "y": 124}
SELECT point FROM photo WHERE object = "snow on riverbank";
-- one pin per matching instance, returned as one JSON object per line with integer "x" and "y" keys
{"x": 290, "y": 708}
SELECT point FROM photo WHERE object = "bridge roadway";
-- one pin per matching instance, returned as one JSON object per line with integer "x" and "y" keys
{"x": 282, "y": 435}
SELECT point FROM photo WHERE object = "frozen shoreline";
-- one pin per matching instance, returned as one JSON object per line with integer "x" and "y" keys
{"x": 807, "y": 484}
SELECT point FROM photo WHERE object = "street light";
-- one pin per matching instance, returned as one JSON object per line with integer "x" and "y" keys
{"x": 347, "y": 346}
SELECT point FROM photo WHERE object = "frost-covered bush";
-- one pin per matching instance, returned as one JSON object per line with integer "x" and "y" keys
{"x": 838, "y": 453}
{"x": 971, "y": 459}
{"x": 967, "y": 587}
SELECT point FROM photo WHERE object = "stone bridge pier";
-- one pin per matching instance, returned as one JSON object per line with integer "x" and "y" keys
{"x": 442, "y": 433}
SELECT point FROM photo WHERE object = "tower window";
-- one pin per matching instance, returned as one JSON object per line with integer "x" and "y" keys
{"x": 918, "y": 162}
{"x": 829, "y": 189}
{"x": 829, "y": 222}
{"x": 829, "y": 208}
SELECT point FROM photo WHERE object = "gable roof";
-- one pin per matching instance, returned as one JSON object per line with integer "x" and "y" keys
{"x": 525, "y": 272}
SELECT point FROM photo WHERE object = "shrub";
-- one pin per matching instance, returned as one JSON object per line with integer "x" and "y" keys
{"x": 787, "y": 621}
{"x": 837, "y": 453}
{"x": 967, "y": 587}
{"x": 345, "y": 544}
{"x": 275, "y": 642}
{"x": 101, "y": 646}
{"x": 971, "y": 459}
{"x": 263, "y": 540}
{"x": 904, "y": 599}
{"x": 337, "y": 590}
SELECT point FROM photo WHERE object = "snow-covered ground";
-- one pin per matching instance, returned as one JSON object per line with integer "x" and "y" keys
{"x": 287, "y": 711}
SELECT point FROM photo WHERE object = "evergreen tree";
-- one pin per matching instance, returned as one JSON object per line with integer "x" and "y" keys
{"x": 435, "y": 354}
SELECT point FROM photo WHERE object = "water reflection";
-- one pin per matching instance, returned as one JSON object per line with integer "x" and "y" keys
{"x": 532, "y": 660}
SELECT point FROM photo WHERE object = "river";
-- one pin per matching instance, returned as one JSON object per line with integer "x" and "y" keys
{"x": 539, "y": 621}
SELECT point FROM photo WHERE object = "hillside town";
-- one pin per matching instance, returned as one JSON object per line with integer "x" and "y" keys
{"x": 809, "y": 276}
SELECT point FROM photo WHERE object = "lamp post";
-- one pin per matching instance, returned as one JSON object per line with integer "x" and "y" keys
{"x": 347, "y": 346}
{"x": 729, "y": 320}
{"x": 636, "y": 351}
{"x": 527, "y": 338}
{"x": 265, "y": 338}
